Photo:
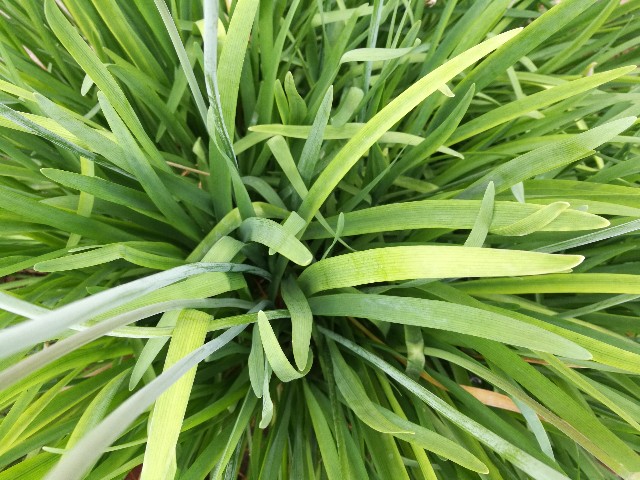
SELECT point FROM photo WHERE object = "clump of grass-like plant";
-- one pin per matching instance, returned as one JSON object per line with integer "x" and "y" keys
{"x": 319, "y": 239}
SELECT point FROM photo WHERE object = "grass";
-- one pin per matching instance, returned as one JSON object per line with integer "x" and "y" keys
{"x": 302, "y": 239}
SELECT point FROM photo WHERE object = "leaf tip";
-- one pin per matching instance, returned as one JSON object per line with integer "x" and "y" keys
{"x": 602, "y": 222}
{"x": 39, "y": 267}
{"x": 306, "y": 261}
{"x": 575, "y": 260}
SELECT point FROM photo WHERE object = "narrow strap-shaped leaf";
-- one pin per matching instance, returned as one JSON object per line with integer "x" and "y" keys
{"x": 82, "y": 360}
{"x": 548, "y": 157}
{"x": 12, "y": 264}
{"x": 189, "y": 193}
{"x": 24, "y": 399}
{"x": 273, "y": 235}
{"x": 406, "y": 263}
{"x": 632, "y": 409}
{"x": 101, "y": 141}
{"x": 414, "y": 342}
{"x": 97, "y": 409}
{"x": 267, "y": 403}
{"x": 139, "y": 83}
{"x": 430, "y": 144}
{"x": 583, "y": 384}
{"x": 423, "y": 460}
{"x": 11, "y": 436}
{"x": 297, "y": 105}
{"x": 108, "y": 253}
{"x": 574, "y": 283}
{"x": 223, "y": 164}
{"x": 30, "y": 332}
{"x": 293, "y": 224}
{"x": 610, "y": 232}
{"x": 512, "y": 453}
{"x": 385, "y": 421}
{"x": 282, "y": 154}
{"x": 311, "y": 150}
{"x": 272, "y": 54}
{"x": 301, "y": 320}
{"x": 226, "y": 322}
{"x": 196, "y": 287}
{"x": 263, "y": 188}
{"x": 326, "y": 442}
{"x": 282, "y": 103}
{"x": 331, "y": 132}
{"x": 99, "y": 73}
{"x": 450, "y": 214}
{"x": 338, "y": 424}
{"x": 597, "y": 306}
{"x": 145, "y": 173}
{"x": 20, "y": 307}
{"x": 341, "y": 15}
{"x": 535, "y": 221}
{"x": 41, "y": 213}
{"x": 30, "y": 126}
{"x": 168, "y": 412}
{"x": 347, "y": 107}
{"x": 605, "y": 445}
{"x": 224, "y": 250}
{"x": 374, "y": 54}
{"x": 242, "y": 420}
{"x": 257, "y": 372}
{"x": 482, "y": 224}
{"x": 601, "y": 351}
{"x": 215, "y": 119}
{"x": 85, "y": 202}
{"x": 275, "y": 356}
{"x": 74, "y": 464}
{"x": 151, "y": 349}
{"x": 127, "y": 36}
{"x": 336, "y": 237}
{"x": 172, "y": 30}
{"x": 232, "y": 58}
{"x": 105, "y": 190}
{"x": 446, "y": 316}
{"x": 531, "y": 406}
{"x": 537, "y": 32}
{"x": 389, "y": 116}
{"x": 357, "y": 399}
{"x": 574, "y": 46}
{"x": 36, "y": 467}
{"x": 16, "y": 90}
{"x": 88, "y": 334}
{"x": 533, "y": 102}
{"x": 210, "y": 454}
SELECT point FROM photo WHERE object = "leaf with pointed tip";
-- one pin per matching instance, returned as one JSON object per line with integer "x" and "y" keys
{"x": 273, "y": 235}
{"x": 75, "y": 463}
{"x": 28, "y": 333}
{"x": 406, "y": 263}
{"x": 387, "y": 117}
{"x": 276, "y": 357}
{"x": 446, "y": 316}
{"x": 515, "y": 455}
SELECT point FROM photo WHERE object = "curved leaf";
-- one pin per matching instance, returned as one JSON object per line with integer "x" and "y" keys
{"x": 273, "y": 235}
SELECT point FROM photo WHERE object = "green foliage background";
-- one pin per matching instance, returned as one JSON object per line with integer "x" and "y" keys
{"x": 319, "y": 239}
